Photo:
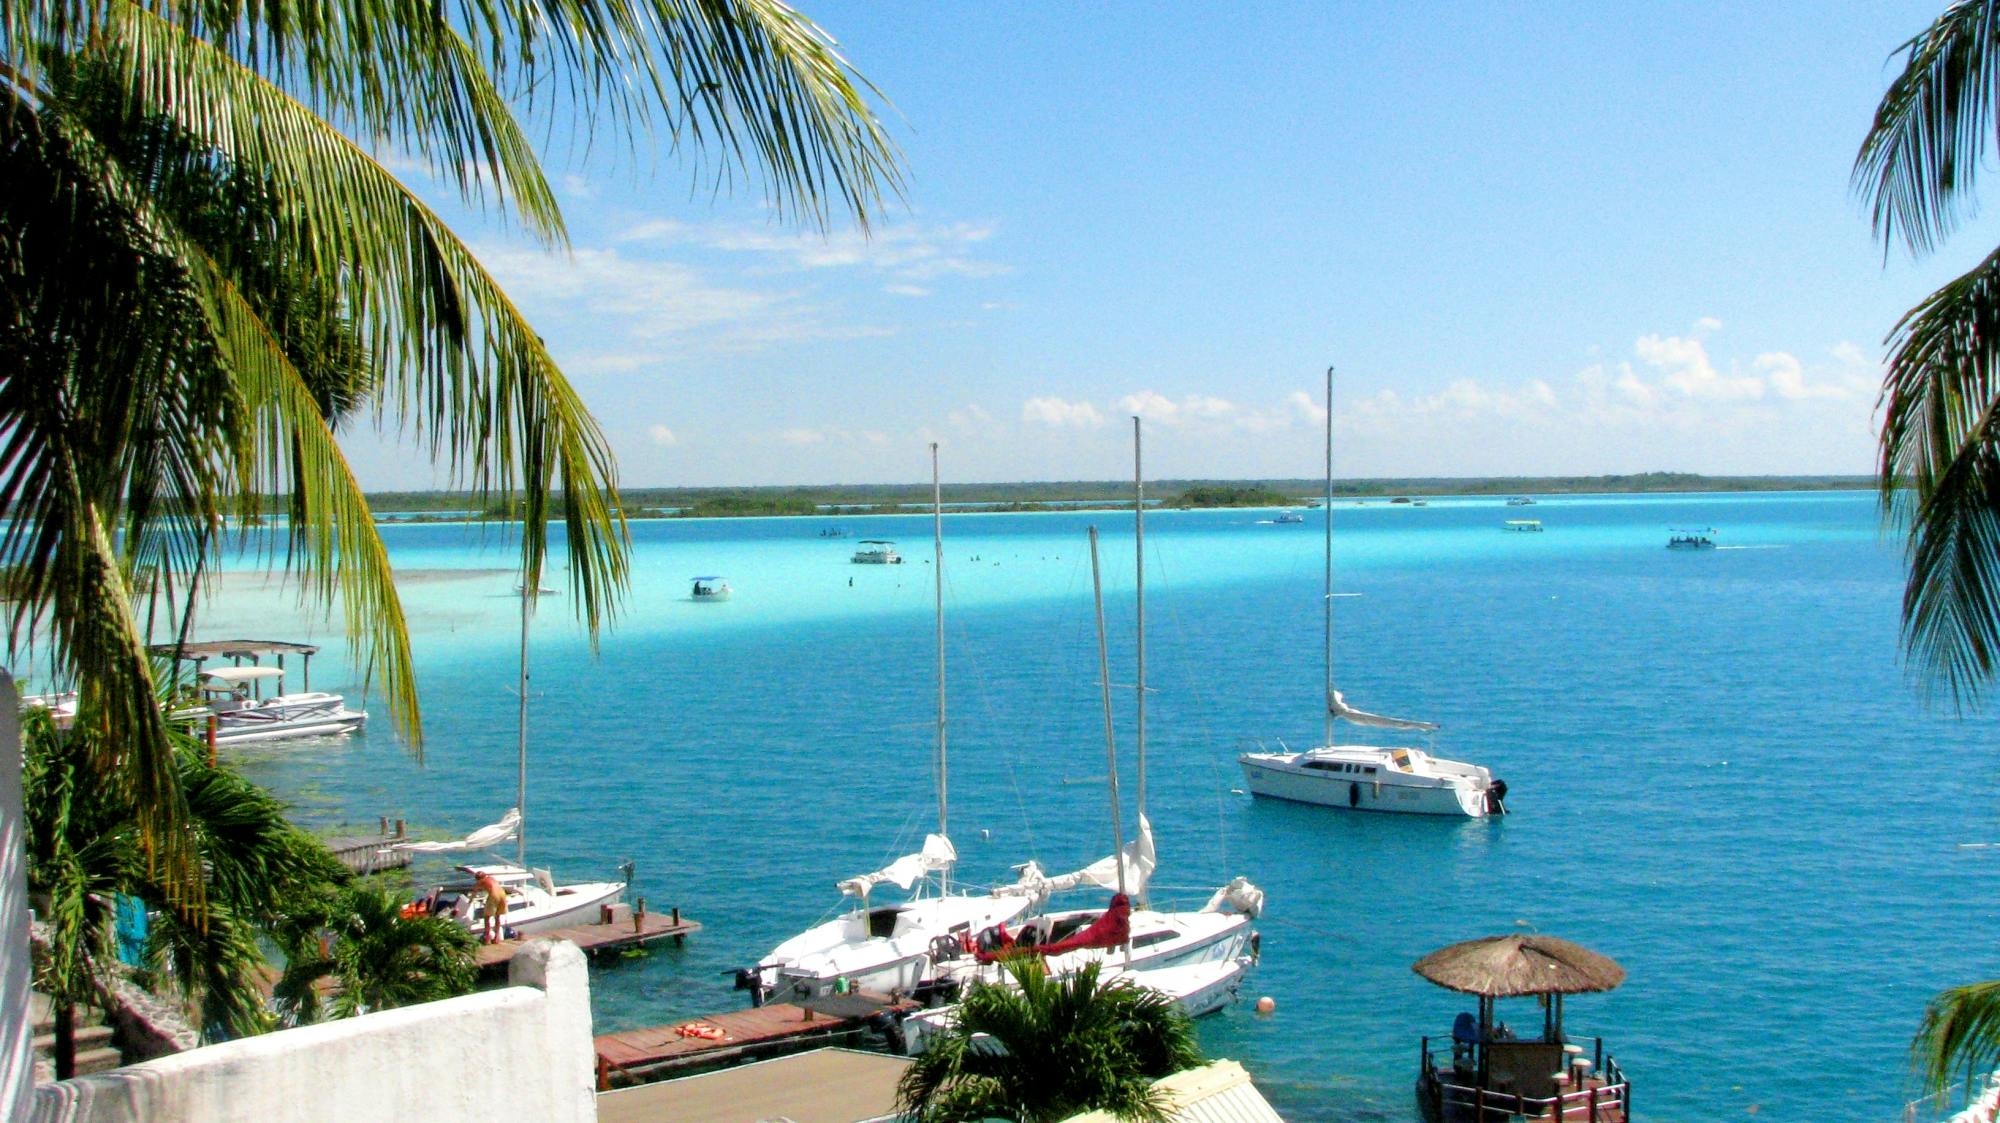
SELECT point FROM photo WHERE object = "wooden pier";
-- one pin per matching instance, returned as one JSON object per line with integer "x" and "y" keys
{"x": 371, "y": 853}
{"x": 637, "y": 1056}
{"x": 621, "y": 931}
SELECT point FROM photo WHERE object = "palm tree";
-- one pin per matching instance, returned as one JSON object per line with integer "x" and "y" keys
{"x": 1940, "y": 467}
{"x": 161, "y": 164}
{"x": 84, "y": 854}
{"x": 375, "y": 958}
{"x": 1045, "y": 1049}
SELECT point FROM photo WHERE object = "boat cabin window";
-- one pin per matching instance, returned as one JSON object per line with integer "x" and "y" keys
{"x": 882, "y": 922}
{"x": 1151, "y": 938}
{"x": 1326, "y": 766}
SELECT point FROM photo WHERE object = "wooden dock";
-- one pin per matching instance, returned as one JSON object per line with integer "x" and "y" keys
{"x": 370, "y": 853}
{"x": 640, "y": 1055}
{"x": 624, "y": 931}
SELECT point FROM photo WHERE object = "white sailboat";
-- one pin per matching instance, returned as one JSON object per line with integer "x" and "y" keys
{"x": 1148, "y": 939}
{"x": 890, "y": 948}
{"x": 1366, "y": 777}
{"x": 535, "y": 902}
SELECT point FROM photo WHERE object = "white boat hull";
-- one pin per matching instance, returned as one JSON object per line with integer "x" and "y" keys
{"x": 1275, "y": 776}
{"x": 531, "y": 909}
{"x": 815, "y": 962}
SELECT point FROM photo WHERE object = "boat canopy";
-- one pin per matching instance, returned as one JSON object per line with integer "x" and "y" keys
{"x": 234, "y": 676}
{"x": 711, "y": 577}
{"x": 506, "y": 828}
{"x": 878, "y": 542}
{"x": 1338, "y": 707}
{"x": 1139, "y": 861}
{"x": 234, "y": 649}
{"x": 937, "y": 854}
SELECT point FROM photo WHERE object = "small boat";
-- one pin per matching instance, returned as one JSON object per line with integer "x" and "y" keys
{"x": 709, "y": 589}
{"x": 1400, "y": 499}
{"x": 1366, "y": 777}
{"x": 1520, "y": 501}
{"x": 232, "y": 696}
{"x": 535, "y": 903}
{"x": 1289, "y": 517}
{"x": 877, "y": 551}
{"x": 832, "y": 532}
{"x": 1421, "y": 503}
{"x": 1523, "y": 526}
{"x": 540, "y": 590}
{"x": 1702, "y": 538}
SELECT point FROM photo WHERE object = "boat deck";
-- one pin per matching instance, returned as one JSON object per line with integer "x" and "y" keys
{"x": 598, "y": 939}
{"x": 638, "y": 1055}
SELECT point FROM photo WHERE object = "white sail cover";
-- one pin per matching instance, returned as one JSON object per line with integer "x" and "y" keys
{"x": 1139, "y": 861}
{"x": 508, "y": 826}
{"x": 937, "y": 854}
{"x": 1237, "y": 896}
{"x": 1338, "y": 707}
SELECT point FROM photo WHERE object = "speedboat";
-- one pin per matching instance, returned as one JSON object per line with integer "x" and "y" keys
{"x": 1523, "y": 526}
{"x": 1693, "y": 539}
{"x": 535, "y": 903}
{"x": 231, "y": 696}
{"x": 1520, "y": 501}
{"x": 709, "y": 589}
{"x": 1289, "y": 517}
{"x": 877, "y": 551}
{"x": 1366, "y": 778}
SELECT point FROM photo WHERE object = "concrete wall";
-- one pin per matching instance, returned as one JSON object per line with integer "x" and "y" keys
{"x": 17, "y": 1071}
{"x": 529, "y": 1045}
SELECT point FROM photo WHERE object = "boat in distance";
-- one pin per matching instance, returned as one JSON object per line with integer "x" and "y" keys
{"x": 709, "y": 589}
{"x": 1523, "y": 526}
{"x": 1289, "y": 517}
{"x": 230, "y": 697}
{"x": 877, "y": 551}
{"x": 1367, "y": 778}
{"x": 1702, "y": 538}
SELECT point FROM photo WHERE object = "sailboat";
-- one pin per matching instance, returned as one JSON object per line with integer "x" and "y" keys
{"x": 535, "y": 902}
{"x": 1135, "y": 940}
{"x": 1365, "y": 777}
{"x": 896, "y": 947}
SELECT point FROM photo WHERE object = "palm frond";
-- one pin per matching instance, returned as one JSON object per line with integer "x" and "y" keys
{"x": 1917, "y": 165}
{"x": 1941, "y": 441}
{"x": 1960, "y": 1034}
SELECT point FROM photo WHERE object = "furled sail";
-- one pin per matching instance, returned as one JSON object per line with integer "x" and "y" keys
{"x": 1139, "y": 860}
{"x": 508, "y": 826}
{"x": 1338, "y": 707}
{"x": 936, "y": 855}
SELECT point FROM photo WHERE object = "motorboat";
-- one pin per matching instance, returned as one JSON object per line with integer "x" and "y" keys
{"x": 893, "y": 948}
{"x": 709, "y": 589}
{"x": 535, "y": 903}
{"x": 1693, "y": 539}
{"x": 1367, "y": 777}
{"x": 877, "y": 551}
{"x": 233, "y": 698}
{"x": 1289, "y": 517}
{"x": 1523, "y": 526}
{"x": 1520, "y": 501}
{"x": 832, "y": 532}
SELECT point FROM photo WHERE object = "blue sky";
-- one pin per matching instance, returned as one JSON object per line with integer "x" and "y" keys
{"x": 1573, "y": 239}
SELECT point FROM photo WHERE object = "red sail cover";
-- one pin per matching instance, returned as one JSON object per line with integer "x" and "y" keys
{"x": 1108, "y": 931}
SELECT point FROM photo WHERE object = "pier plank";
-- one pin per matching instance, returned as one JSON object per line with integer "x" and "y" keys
{"x": 596, "y": 939}
{"x": 758, "y": 1030}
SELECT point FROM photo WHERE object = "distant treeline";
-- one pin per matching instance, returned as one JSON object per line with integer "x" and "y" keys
{"x": 851, "y": 499}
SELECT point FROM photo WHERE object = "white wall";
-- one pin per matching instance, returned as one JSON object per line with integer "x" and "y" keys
{"x": 17, "y": 1077}
{"x": 529, "y": 1045}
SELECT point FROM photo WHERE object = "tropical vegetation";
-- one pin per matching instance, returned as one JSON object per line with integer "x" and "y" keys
{"x": 356, "y": 951}
{"x": 1038, "y": 1049}
{"x": 1940, "y": 450}
{"x": 205, "y": 269}
{"x": 86, "y": 859}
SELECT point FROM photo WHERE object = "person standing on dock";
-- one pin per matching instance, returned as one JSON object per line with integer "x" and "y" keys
{"x": 494, "y": 929}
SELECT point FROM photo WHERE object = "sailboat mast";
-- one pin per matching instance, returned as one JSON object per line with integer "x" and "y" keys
{"x": 1110, "y": 741}
{"x": 937, "y": 566}
{"x": 1327, "y": 598}
{"x": 521, "y": 753}
{"x": 1139, "y": 536}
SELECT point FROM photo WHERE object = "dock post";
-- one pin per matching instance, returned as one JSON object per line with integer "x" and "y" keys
{"x": 680, "y": 938}
{"x": 603, "y": 1074}
{"x": 211, "y": 740}
{"x": 400, "y": 831}
{"x": 639, "y": 916}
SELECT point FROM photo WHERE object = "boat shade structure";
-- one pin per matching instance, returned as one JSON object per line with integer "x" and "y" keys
{"x": 936, "y": 856}
{"x": 484, "y": 837}
{"x": 226, "y": 677}
{"x": 1514, "y": 966}
{"x": 1338, "y": 707}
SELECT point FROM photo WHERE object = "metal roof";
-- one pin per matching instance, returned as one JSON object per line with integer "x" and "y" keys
{"x": 1218, "y": 1092}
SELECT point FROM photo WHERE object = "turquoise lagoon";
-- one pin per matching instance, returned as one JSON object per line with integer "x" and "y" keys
{"x": 1721, "y": 775}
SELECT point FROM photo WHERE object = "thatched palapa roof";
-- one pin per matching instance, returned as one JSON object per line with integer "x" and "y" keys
{"x": 1509, "y": 966}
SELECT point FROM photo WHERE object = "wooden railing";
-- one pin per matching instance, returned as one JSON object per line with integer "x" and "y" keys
{"x": 1605, "y": 1098}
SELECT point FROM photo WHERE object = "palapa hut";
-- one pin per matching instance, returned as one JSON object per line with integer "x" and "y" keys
{"x": 1494, "y": 1072}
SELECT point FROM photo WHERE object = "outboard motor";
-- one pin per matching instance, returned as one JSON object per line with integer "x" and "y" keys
{"x": 1496, "y": 797}
{"x": 752, "y": 980}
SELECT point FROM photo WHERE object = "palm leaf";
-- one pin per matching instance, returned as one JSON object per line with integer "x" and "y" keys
{"x": 1960, "y": 1033}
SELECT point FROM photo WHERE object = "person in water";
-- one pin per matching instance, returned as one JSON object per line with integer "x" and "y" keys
{"x": 495, "y": 928}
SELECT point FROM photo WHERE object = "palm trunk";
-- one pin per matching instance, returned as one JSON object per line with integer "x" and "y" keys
{"x": 65, "y": 1050}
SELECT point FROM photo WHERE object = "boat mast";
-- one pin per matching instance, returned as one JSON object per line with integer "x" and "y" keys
{"x": 937, "y": 565}
{"x": 528, "y": 592}
{"x": 1327, "y": 598}
{"x": 1110, "y": 742}
{"x": 1139, "y": 535}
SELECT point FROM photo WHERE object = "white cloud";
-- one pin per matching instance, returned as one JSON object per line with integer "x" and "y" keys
{"x": 1157, "y": 407}
{"x": 1707, "y": 325}
{"x": 971, "y": 417}
{"x": 1058, "y": 413}
{"x": 579, "y": 188}
{"x": 1307, "y": 408}
{"x": 803, "y": 436}
{"x": 912, "y": 252}
{"x": 906, "y": 290}
{"x": 662, "y": 436}
{"x": 1684, "y": 366}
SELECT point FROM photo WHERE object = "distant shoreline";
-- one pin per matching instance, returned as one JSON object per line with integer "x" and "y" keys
{"x": 860, "y": 500}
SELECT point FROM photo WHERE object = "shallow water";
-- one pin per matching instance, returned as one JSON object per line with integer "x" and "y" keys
{"x": 1720, "y": 774}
